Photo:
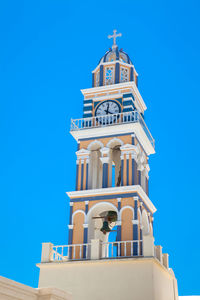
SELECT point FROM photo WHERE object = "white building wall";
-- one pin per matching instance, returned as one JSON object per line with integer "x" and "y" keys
{"x": 127, "y": 279}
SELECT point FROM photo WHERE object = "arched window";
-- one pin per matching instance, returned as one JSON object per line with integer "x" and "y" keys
{"x": 109, "y": 75}
{"x": 124, "y": 75}
{"x": 95, "y": 224}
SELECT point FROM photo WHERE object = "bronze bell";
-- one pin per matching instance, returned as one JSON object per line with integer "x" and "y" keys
{"x": 105, "y": 228}
{"x": 112, "y": 216}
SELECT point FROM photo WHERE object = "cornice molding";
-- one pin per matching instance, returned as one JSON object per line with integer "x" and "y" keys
{"x": 112, "y": 191}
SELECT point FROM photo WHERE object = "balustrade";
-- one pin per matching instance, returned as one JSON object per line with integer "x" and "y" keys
{"x": 69, "y": 252}
{"x": 112, "y": 119}
{"x": 122, "y": 249}
{"x": 108, "y": 250}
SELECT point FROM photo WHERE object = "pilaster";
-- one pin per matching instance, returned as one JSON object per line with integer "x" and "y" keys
{"x": 128, "y": 158}
{"x": 82, "y": 169}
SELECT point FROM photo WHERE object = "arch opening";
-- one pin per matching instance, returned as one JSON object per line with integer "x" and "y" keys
{"x": 95, "y": 166}
{"x": 95, "y": 225}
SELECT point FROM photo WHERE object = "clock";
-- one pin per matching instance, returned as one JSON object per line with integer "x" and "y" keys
{"x": 107, "y": 112}
{"x": 108, "y": 107}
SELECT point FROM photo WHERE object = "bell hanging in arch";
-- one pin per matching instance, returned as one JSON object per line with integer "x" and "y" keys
{"x": 105, "y": 228}
{"x": 112, "y": 216}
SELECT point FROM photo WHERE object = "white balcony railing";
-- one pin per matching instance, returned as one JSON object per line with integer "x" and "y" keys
{"x": 110, "y": 120}
{"x": 108, "y": 250}
{"x": 122, "y": 249}
{"x": 98, "y": 250}
{"x": 69, "y": 252}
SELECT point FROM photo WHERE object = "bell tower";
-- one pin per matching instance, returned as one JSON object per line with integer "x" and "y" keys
{"x": 111, "y": 215}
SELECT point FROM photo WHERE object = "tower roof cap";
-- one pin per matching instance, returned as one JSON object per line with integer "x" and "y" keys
{"x": 115, "y": 54}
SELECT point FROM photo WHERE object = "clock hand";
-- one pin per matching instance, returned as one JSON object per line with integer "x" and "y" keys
{"x": 107, "y": 108}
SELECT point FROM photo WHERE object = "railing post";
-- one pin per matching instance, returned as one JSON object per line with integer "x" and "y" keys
{"x": 95, "y": 249}
{"x": 158, "y": 250}
{"x": 166, "y": 260}
{"x": 47, "y": 252}
{"x": 148, "y": 245}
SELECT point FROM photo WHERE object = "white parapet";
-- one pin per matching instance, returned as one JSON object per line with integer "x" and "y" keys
{"x": 158, "y": 253}
{"x": 47, "y": 252}
{"x": 148, "y": 245}
{"x": 104, "y": 279}
{"x": 166, "y": 260}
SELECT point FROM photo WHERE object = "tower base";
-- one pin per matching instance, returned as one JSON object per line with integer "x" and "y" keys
{"x": 127, "y": 279}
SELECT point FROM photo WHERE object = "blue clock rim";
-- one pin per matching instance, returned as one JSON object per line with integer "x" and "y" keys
{"x": 108, "y": 101}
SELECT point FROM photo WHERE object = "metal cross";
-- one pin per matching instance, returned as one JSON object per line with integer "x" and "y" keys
{"x": 114, "y": 36}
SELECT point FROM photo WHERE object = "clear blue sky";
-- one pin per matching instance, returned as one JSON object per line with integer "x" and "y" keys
{"x": 48, "y": 50}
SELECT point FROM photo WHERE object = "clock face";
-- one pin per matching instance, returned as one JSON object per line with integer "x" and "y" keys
{"x": 107, "y": 108}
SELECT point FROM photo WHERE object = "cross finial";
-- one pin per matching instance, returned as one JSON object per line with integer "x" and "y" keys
{"x": 114, "y": 36}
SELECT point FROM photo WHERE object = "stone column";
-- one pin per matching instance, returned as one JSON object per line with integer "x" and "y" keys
{"x": 105, "y": 162}
{"x": 146, "y": 174}
{"x": 140, "y": 169}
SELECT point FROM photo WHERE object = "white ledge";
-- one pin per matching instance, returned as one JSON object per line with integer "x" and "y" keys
{"x": 117, "y": 129}
{"x": 112, "y": 191}
{"x": 129, "y": 84}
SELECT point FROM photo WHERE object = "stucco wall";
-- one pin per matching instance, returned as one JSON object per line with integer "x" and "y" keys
{"x": 127, "y": 279}
{"x": 12, "y": 290}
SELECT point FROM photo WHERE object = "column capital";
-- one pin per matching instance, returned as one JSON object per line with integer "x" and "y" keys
{"x": 140, "y": 203}
{"x": 129, "y": 149}
{"x": 140, "y": 167}
{"x": 71, "y": 203}
{"x": 71, "y": 226}
{"x": 104, "y": 151}
{"x": 85, "y": 225}
{"x": 86, "y": 202}
{"x": 134, "y": 156}
{"x": 136, "y": 198}
{"x": 119, "y": 199}
{"x": 82, "y": 154}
